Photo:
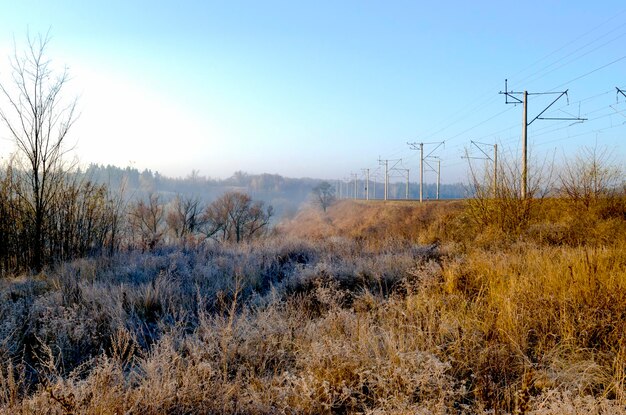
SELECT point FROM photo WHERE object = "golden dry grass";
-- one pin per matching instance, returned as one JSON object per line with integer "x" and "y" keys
{"x": 360, "y": 317}
{"x": 376, "y": 220}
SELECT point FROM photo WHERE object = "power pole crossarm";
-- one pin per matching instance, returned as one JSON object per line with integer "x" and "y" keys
{"x": 515, "y": 100}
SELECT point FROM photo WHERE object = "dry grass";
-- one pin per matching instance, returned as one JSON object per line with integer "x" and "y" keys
{"x": 373, "y": 308}
{"x": 376, "y": 221}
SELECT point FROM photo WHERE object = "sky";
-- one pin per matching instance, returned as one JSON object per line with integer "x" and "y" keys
{"x": 326, "y": 89}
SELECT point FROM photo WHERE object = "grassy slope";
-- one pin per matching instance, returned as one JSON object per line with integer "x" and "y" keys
{"x": 375, "y": 220}
{"x": 351, "y": 311}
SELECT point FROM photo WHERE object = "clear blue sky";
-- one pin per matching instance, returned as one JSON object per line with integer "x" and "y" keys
{"x": 324, "y": 88}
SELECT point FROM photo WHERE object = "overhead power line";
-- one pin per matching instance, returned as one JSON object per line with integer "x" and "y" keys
{"x": 590, "y": 72}
{"x": 488, "y": 98}
{"x": 515, "y": 100}
{"x": 414, "y": 146}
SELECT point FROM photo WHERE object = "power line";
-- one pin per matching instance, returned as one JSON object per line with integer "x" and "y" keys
{"x": 525, "y": 123}
{"x": 490, "y": 98}
{"x": 590, "y": 72}
{"x": 549, "y": 108}
{"x": 603, "y": 24}
{"x": 566, "y": 83}
{"x": 578, "y": 57}
{"x": 581, "y": 134}
{"x": 500, "y": 131}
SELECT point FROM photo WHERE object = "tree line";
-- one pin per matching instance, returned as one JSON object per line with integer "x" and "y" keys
{"x": 82, "y": 218}
{"x": 50, "y": 212}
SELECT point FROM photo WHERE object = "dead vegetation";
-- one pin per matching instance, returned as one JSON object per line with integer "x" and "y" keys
{"x": 367, "y": 308}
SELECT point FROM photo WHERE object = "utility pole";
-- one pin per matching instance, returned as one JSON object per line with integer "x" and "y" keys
{"x": 414, "y": 146}
{"x": 421, "y": 171}
{"x": 407, "y": 184}
{"x": 620, "y": 91}
{"x": 525, "y": 147}
{"x": 386, "y": 162}
{"x": 356, "y": 179}
{"x": 346, "y": 183}
{"x": 515, "y": 100}
{"x": 393, "y": 167}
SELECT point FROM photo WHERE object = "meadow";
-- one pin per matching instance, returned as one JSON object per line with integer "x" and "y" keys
{"x": 460, "y": 307}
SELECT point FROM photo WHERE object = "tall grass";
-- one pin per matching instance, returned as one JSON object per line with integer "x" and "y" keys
{"x": 392, "y": 309}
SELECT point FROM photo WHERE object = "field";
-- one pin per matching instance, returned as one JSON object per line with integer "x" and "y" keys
{"x": 456, "y": 307}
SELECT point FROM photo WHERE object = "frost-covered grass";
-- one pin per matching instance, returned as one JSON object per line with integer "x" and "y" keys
{"x": 350, "y": 321}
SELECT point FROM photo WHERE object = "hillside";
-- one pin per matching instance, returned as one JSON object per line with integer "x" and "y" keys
{"x": 446, "y": 307}
{"x": 374, "y": 220}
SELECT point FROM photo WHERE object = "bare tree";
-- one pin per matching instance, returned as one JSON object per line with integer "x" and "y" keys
{"x": 257, "y": 219}
{"x": 592, "y": 177}
{"x": 146, "y": 222}
{"x": 323, "y": 195}
{"x": 38, "y": 119}
{"x": 184, "y": 217}
{"x": 235, "y": 216}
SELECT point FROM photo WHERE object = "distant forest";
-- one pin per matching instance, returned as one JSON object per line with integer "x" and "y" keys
{"x": 285, "y": 194}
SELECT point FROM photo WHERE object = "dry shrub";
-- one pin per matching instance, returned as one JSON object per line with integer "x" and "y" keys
{"x": 12, "y": 385}
{"x": 592, "y": 181}
{"x": 358, "y": 319}
{"x": 587, "y": 205}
